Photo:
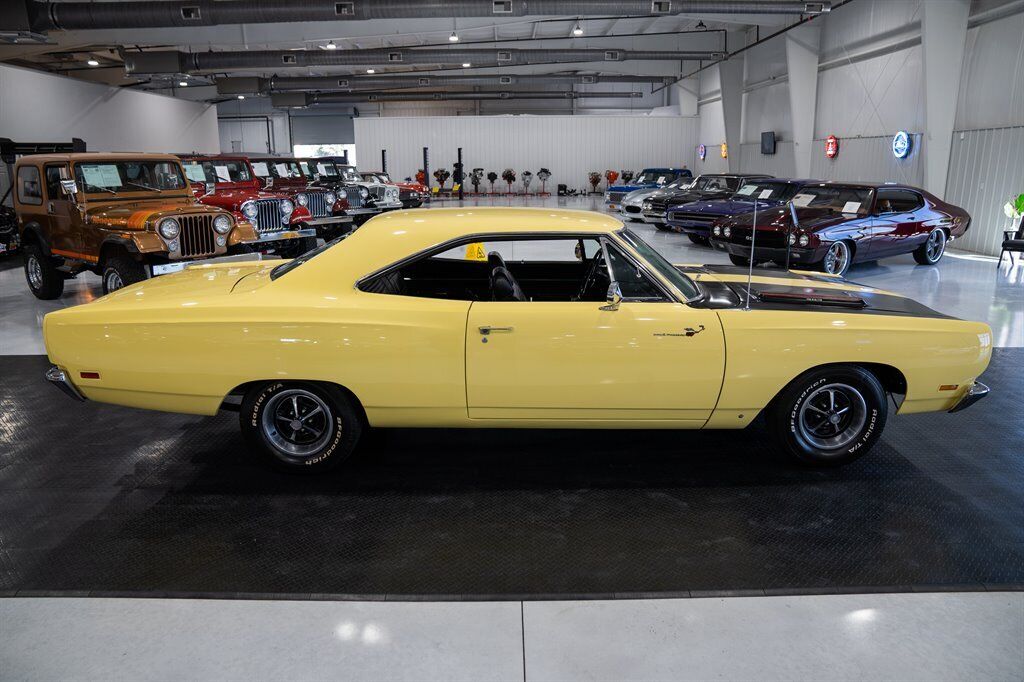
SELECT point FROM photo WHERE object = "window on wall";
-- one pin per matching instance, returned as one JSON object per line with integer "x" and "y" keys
{"x": 306, "y": 151}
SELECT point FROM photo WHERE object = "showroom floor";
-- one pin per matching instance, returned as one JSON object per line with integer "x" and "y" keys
{"x": 177, "y": 511}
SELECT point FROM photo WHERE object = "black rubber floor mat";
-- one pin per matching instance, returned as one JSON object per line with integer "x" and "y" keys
{"x": 99, "y": 499}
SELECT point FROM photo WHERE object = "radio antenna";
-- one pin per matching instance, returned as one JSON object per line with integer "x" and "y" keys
{"x": 753, "y": 240}
{"x": 794, "y": 225}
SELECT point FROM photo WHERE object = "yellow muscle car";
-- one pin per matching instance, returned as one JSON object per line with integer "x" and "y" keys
{"x": 532, "y": 318}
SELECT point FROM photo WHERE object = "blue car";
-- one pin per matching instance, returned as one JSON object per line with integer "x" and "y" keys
{"x": 648, "y": 178}
{"x": 695, "y": 218}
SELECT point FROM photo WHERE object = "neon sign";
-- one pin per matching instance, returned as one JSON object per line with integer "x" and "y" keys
{"x": 702, "y": 152}
{"x": 901, "y": 145}
{"x": 831, "y": 146}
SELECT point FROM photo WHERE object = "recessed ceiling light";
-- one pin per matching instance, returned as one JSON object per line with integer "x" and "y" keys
{"x": 466, "y": 65}
{"x": 454, "y": 37}
{"x": 93, "y": 62}
{"x": 183, "y": 84}
{"x": 577, "y": 30}
{"x": 330, "y": 45}
{"x": 370, "y": 71}
{"x": 241, "y": 97}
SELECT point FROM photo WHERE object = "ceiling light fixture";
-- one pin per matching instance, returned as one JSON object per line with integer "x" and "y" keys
{"x": 577, "y": 29}
{"x": 466, "y": 65}
{"x": 370, "y": 71}
{"x": 93, "y": 62}
{"x": 330, "y": 45}
{"x": 241, "y": 97}
{"x": 183, "y": 84}
{"x": 454, "y": 37}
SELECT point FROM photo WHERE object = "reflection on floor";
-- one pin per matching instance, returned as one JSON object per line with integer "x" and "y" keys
{"x": 971, "y": 636}
{"x": 962, "y": 284}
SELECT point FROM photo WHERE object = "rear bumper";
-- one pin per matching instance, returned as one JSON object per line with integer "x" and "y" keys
{"x": 59, "y": 378}
{"x": 976, "y": 392}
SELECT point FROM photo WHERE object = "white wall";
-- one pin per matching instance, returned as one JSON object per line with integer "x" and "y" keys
{"x": 570, "y": 146}
{"x": 40, "y": 107}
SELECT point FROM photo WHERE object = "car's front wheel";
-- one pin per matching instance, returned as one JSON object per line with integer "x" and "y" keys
{"x": 739, "y": 260}
{"x": 42, "y": 275}
{"x": 120, "y": 271}
{"x": 837, "y": 259}
{"x": 300, "y": 426}
{"x": 828, "y": 416}
{"x": 699, "y": 239}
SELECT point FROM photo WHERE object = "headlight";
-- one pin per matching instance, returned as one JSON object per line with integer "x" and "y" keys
{"x": 222, "y": 224}
{"x": 363, "y": 192}
{"x": 331, "y": 198}
{"x": 249, "y": 210}
{"x": 169, "y": 228}
{"x": 287, "y": 207}
{"x": 727, "y": 231}
{"x": 804, "y": 240}
{"x": 717, "y": 231}
{"x": 792, "y": 239}
{"x": 302, "y": 199}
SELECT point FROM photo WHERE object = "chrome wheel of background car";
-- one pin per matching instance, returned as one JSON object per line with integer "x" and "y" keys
{"x": 297, "y": 422}
{"x": 35, "y": 272}
{"x": 935, "y": 246}
{"x": 833, "y": 416}
{"x": 837, "y": 260}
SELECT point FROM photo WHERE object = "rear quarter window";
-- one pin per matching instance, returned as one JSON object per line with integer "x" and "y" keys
{"x": 30, "y": 186}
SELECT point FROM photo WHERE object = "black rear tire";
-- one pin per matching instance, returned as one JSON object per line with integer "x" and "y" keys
{"x": 699, "y": 240}
{"x": 120, "y": 271}
{"x": 328, "y": 425}
{"x": 44, "y": 279}
{"x": 802, "y": 424}
{"x": 739, "y": 260}
{"x": 294, "y": 248}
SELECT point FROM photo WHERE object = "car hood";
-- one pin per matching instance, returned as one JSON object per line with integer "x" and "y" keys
{"x": 810, "y": 218}
{"x": 726, "y": 206}
{"x": 631, "y": 188}
{"x": 133, "y": 215}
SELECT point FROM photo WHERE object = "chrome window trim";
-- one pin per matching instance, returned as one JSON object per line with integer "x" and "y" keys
{"x": 696, "y": 285}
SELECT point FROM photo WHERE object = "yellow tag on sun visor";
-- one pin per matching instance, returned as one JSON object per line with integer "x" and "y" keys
{"x": 475, "y": 251}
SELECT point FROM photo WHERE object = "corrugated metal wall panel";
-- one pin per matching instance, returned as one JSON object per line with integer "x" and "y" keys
{"x": 570, "y": 146}
{"x": 868, "y": 159}
{"x": 993, "y": 74}
{"x": 985, "y": 170}
{"x": 781, "y": 164}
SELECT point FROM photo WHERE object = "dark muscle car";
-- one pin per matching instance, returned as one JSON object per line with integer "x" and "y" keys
{"x": 695, "y": 219}
{"x": 838, "y": 224}
{"x": 717, "y": 186}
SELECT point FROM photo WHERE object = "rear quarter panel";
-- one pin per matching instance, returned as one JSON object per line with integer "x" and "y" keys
{"x": 766, "y": 349}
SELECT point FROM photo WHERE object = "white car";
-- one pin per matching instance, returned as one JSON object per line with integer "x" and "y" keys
{"x": 631, "y": 205}
{"x": 382, "y": 196}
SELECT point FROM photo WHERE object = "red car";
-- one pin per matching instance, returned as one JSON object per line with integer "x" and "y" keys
{"x": 327, "y": 209}
{"x": 228, "y": 182}
{"x": 838, "y": 224}
{"x": 411, "y": 194}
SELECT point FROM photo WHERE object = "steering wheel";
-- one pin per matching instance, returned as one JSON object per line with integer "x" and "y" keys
{"x": 591, "y": 276}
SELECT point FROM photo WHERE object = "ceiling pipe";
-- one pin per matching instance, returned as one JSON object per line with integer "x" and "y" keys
{"x": 305, "y": 99}
{"x": 263, "y": 86}
{"x": 49, "y": 15}
{"x": 184, "y": 62}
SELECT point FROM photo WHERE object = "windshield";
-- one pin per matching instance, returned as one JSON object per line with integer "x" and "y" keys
{"x": 766, "y": 189}
{"x": 216, "y": 170}
{"x": 682, "y": 182}
{"x": 273, "y": 168}
{"x": 114, "y": 177}
{"x": 856, "y": 200}
{"x": 285, "y": 268}
{"x": 324, "y": 168}
{"x": 350, "y": 174}
{"x": 656, "y": 177}
{"x": 681, "y": 282}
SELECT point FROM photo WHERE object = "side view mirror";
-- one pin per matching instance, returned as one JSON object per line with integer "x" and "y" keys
{"x": 614, "y": 297}
{"x": 69, "y": 187}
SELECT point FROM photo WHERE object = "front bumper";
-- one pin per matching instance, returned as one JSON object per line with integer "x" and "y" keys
{"x": 387, "y": 205}
{"x": 329, "y": 220}
{"x": 976, "y": 392}
{"x": 686, "y": 227}
{"x": 284, "y": 234}
{"x": 653, "y": 217}
{"x": 361, "y": 211}
{"x": 59, "y": 378}
{"x": 796, "y": 254}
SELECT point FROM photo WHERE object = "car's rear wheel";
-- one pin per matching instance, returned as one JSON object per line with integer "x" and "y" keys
{"x": 300, "y": 426}
{"x": 828, "y": 416}
{"x": 837, "y": 259}
{"x": 699, "y": 240}
{"x": 44, "y": 279}
{"x": 930, "y": 252}
{"x": 120, "y": 271}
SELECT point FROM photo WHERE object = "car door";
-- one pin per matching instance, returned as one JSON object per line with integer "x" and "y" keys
{"x": 648, "y": 359}
{"x": 894, "y": 222}
{"x": 59, "y": 208}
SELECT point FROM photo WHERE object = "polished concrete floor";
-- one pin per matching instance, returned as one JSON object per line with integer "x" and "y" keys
{"x": 970, "y": 636}
{"x": 962, "y": 284}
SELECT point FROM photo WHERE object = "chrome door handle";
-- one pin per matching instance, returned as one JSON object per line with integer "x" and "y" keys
{"x": 494, "y": 330}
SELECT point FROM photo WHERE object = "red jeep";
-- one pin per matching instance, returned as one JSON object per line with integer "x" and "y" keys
{"x": 228, "y": 182}
{"x": 327, "y": 208}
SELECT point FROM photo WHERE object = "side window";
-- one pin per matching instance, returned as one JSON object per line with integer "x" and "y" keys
{"x": 632, "y": 281}
{"x": 53, "y": 177}
{"x": 898, "y": 201}
{"x": 30, "y": 190}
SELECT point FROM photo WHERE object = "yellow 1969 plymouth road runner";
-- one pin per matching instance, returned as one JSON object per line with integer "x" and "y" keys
{"x": 514, "y": 317}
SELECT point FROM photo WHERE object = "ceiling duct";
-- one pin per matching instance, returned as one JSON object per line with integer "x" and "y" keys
{"x": 184, "y": 62}
{"x": 48, "y": 16}
{"x": 256, "y": 86}
{"x": 300, "y": 99}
